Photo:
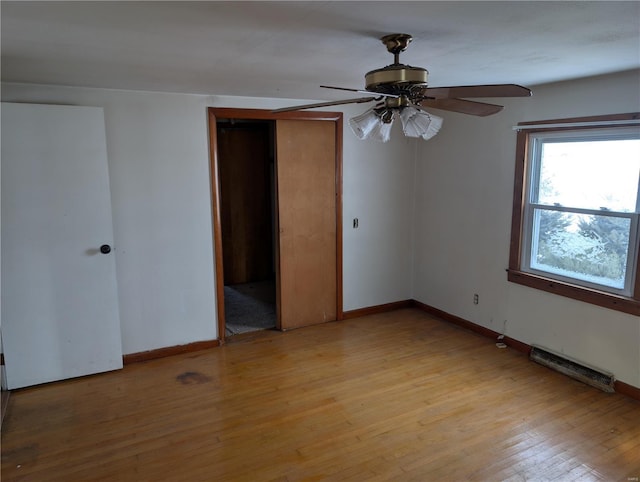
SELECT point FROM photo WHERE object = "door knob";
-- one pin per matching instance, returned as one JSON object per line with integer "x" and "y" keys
{"x": 105, "y": 249}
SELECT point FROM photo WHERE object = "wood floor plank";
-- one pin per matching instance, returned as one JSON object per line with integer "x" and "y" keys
{"x": 394, "y": 396}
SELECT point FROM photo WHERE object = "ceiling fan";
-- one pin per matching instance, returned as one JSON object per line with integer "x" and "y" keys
{"x": 402, "y": 90}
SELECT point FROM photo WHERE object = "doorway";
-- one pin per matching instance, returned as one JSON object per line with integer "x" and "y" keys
{"x": 247, "y": 213}
{"x": 294, "y": 160}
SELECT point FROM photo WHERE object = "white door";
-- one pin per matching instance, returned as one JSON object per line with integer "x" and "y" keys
{"x": 59, "y": 298}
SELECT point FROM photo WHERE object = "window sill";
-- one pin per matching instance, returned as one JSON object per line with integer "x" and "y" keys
{"x": 587, "y": 295}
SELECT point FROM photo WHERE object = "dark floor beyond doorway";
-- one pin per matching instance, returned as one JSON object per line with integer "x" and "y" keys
{"x": 249, "y": 307}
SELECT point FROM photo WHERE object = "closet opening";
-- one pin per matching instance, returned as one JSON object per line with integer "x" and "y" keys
{"x": 246, "y": 169}
{"x": 276, "y": 199}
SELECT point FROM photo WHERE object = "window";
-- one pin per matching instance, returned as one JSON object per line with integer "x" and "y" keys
{"x": 576, "y": 209}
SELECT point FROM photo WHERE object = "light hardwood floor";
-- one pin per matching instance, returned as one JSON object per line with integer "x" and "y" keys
{"x": 396, "y": 396}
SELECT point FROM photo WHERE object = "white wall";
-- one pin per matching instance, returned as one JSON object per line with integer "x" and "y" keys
{"x": 456, "y": 236}
{"x": 464, "y": 191}
{"x": 377, "y": 180}
{"x": 158, "y": 165}
{"x": 159, "y": 169}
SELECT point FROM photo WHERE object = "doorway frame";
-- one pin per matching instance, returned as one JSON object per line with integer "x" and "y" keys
{"x": 215, "y": 113}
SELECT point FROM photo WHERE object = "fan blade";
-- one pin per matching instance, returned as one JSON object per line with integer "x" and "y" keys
{"x": 497, "y": 90}
{"x": 462, "y": 106}
{"x": 325, "y": 104}
{"x": 342, "y": 88}
{"x": 360, "y": 91}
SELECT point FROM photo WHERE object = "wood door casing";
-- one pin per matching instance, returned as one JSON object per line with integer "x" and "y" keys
{"x": 306, "y": 179}
{"x": 216, "y": 113}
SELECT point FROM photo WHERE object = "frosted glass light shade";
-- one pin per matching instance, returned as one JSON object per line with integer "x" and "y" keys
{"x": 415, "y": 123}
{"x": 418, "y": 123}
{"x": 381, "y": 132}
{"x": 369, "y": 125}
{"x": 434, "y": 127}
{"x": 363, "y": 125}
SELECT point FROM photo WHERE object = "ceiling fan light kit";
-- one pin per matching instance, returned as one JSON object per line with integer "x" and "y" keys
{"x": 375, "y": 123}
{"x": 370, "y": 125}
{"x": 401, "y": 90}
{"x": 418, "y": 123}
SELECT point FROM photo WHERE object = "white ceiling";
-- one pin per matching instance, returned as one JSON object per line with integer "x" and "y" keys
{"x": 288, "y": 49}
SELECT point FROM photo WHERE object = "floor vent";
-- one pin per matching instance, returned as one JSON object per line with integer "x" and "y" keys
{"x": 602, "y": 380}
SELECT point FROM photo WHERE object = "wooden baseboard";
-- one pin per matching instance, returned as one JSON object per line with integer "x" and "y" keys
{"x": 456, "y": 320}
{"x": 626, "y": 389}
{"x": 169, "y": 351}
{"x": 5, "y": 403}
{"x": 373, "y": 310}
{"x": 4, "y": 397}
{"x": 620, "y": 387}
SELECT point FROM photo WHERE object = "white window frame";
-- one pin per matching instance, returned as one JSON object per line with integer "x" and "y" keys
{"x": 531, "y": 137}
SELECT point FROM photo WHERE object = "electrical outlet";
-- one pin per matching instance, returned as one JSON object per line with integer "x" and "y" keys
{"x": 476, "y": 299}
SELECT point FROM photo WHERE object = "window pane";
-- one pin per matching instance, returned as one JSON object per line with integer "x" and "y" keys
{"x": 584, "y": 247}
{"x": 590, "y": 174}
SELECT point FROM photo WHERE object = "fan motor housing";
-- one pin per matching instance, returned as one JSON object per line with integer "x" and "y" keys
{"x": 395, "y": 77}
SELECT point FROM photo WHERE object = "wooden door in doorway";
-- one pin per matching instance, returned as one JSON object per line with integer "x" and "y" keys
{"x": 306, "y": 187}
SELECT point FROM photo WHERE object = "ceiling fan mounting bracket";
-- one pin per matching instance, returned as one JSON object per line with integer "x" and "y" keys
{"x": 397, "y": 42}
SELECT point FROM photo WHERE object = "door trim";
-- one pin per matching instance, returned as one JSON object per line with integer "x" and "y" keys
{"x": 215, "y": 113}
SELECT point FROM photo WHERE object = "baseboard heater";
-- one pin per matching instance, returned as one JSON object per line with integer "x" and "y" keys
{"x": 598, "y": 379}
